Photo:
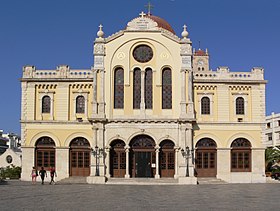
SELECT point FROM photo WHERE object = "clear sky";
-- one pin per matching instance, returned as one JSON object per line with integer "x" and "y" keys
{"x": 240, "y": 34}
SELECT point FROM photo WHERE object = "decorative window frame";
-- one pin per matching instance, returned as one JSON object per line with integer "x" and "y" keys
{"x": 75, "y": 94}
{"x": 210, "y": 96}
{"x": 245, "y": 97}
{"x": 51, "y": 95}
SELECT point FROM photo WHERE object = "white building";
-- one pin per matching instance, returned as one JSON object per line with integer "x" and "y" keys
{"x": 272, "y": 130}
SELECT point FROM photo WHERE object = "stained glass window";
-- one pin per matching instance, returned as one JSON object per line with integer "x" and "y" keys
{"x": 80, "y": 105}
{"x": 46, "y": 104}
{"x": 149, "y": 88}
{"x": 205, "y": 105}
{"x": 119, "y": 88}
{"x": 166, "y": 89}
{"x": 240, "y": 106}
{"x": 136, "y": 88}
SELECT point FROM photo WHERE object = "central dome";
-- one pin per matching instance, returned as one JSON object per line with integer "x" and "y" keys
{"x": 161, "y": 22}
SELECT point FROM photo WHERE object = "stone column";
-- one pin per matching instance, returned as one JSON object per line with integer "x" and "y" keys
{"x": 183, "y": 94}
{"x": 157, "y": 176}
{"x": 142, "y": 104}
{"x": 94, "y": 99}
{"x": 61, "y": 162}
{"x": 101, "y": 105}
{"x": 190, "y": 109}
{"x": 177, "y": 149}
{"x": 107, "y": 161}
{"x": 127, "y": 161}
{"x": 27, "y": 162}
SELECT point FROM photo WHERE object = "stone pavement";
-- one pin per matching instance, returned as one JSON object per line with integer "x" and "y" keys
{"x": 16, "y": 195}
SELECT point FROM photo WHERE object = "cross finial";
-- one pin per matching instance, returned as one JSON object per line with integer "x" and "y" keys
{"x": 149, "y": 7}
{"x": 100, "y": 27}
{"x": 142, "y": 14}
{"x": 185, "y": 27}
{"x": 199, "y": 45}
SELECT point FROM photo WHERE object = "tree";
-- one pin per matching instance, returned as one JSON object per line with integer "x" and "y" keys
{"x": 272, "y": 156}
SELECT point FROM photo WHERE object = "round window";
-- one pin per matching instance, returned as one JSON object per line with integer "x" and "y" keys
{"x": 143, "y": 53}
{"x": 9, "y": 159}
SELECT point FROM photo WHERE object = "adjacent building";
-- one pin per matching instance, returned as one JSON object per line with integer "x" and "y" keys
{"x": 150, "y": 106}
{"x": 272, "y": 130}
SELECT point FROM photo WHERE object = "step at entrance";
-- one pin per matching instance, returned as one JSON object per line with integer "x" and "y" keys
{"x": 142, "y": 181}
{"x": 74, "y": 180}
{"x": 210, "y": 180}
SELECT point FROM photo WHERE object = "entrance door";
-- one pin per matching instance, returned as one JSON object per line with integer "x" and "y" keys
{"x": 167, "y": 159}
{"x": 80, "y": 165}
{"x": 206, "y": 163}
{"x": 143, "y": 164}
{"x": 79, "y": 157}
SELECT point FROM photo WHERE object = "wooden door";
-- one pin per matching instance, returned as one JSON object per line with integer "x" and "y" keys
{"x": 206, "y": 163}
{"x": 167, "y": 163}
{"x": 118, "y": 163}
{"x": 79, "y": 163}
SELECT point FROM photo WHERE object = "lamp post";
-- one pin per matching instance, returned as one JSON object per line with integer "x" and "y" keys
{"x": 186, "y": 155}
{"x": 97, "y": 152}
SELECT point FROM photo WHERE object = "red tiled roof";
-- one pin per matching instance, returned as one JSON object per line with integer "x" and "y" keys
{"x": 200, "y": 53}
{"x": 161, "y": 23}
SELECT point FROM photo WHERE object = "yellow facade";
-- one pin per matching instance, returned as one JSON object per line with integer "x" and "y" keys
{"x": 67, "y": 111}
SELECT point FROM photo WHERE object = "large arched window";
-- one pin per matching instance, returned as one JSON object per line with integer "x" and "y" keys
{"x": 46, "y": 104}
{"x": 136, "y": 88}
{"x": 80, "y": 104}
{"x": 241, "y": 155}
{"x": 166, "y": 89}
{"x": 239, "y": 103}
{"x": 149, "y": 88}
{"x": 119, "y": 88}
{"x": 45, "y": 153}
{"x": 205, "y": 105}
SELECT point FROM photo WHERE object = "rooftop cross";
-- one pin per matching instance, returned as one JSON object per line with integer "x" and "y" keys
{"x": 142, "y": 14}
{"x": 149, "y": 7}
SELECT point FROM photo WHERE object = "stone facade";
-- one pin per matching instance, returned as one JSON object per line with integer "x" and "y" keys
{"x": 183, "y": 125}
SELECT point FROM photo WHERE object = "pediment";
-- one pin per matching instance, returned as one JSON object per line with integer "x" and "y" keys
{"x": 142, "y": 23}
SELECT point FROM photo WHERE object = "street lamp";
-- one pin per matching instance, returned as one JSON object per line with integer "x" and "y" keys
{"x": 97, "y": 153}
{"x": 186, "y": 155}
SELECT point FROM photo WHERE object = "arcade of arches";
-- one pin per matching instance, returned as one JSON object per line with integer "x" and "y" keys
{"x": 142, "y": 158}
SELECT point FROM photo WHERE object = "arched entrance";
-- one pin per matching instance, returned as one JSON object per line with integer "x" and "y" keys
{"x": 167, "y": 159}
{"x": 206, "y": 158}
{"x": 79, "y": 157}
{"x": 45, "y": 153}
{"x": 142, "y": 157}
{"x": 117, "y": 159}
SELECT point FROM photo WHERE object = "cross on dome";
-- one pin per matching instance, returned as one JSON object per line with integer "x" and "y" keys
{"x": 142, "y": 14}
{"x": 149, "y": 7}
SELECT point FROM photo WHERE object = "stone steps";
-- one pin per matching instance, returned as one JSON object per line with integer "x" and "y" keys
{"x": 74, "y": 180}
{"x": 210, "y": 180}
{"x": 142, "y": 181}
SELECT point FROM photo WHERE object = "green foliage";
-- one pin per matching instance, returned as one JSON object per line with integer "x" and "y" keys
{"x": 272, "y": 156}
{"x": 12, "y": 172}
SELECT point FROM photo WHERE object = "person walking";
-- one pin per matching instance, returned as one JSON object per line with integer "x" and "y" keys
{"x": 43, "y": 174}
{"x": 34, "y": 174}
{"x": 52, "y": 173}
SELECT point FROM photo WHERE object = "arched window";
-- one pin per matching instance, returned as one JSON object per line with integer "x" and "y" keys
{"x": 166, "y": 89}
{"x": 119, "y": 88}
{"x": 205, "y": 105}
{"x": 46, "y": 104}
{"x": 45, "y": 153}
{"x": 149, "y": 88}
{"x": 136, "y": 88}
{"x": 241, "y": 155}
{"x": 80, "y": 104}
{"x": 239, "y": 106}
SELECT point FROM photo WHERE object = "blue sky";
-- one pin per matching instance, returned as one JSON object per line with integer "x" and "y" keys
{"x": 240, "y": 34}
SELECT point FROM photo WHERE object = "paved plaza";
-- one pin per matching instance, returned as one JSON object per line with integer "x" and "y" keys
{"x": 17, "y": 195}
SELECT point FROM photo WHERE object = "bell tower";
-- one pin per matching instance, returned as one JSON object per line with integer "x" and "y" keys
{"x": 200, "y": 60}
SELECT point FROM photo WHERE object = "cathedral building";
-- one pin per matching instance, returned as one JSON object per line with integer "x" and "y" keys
{"x": 149, "y": 107}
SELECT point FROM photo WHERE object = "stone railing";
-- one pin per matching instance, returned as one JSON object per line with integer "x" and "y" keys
{"x": 223, "y": 73}
{"x": 62, "y": 71}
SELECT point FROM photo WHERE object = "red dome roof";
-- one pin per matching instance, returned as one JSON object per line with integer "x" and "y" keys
{"x": 161, "y": 23}
{"x": 200, "y": 53}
